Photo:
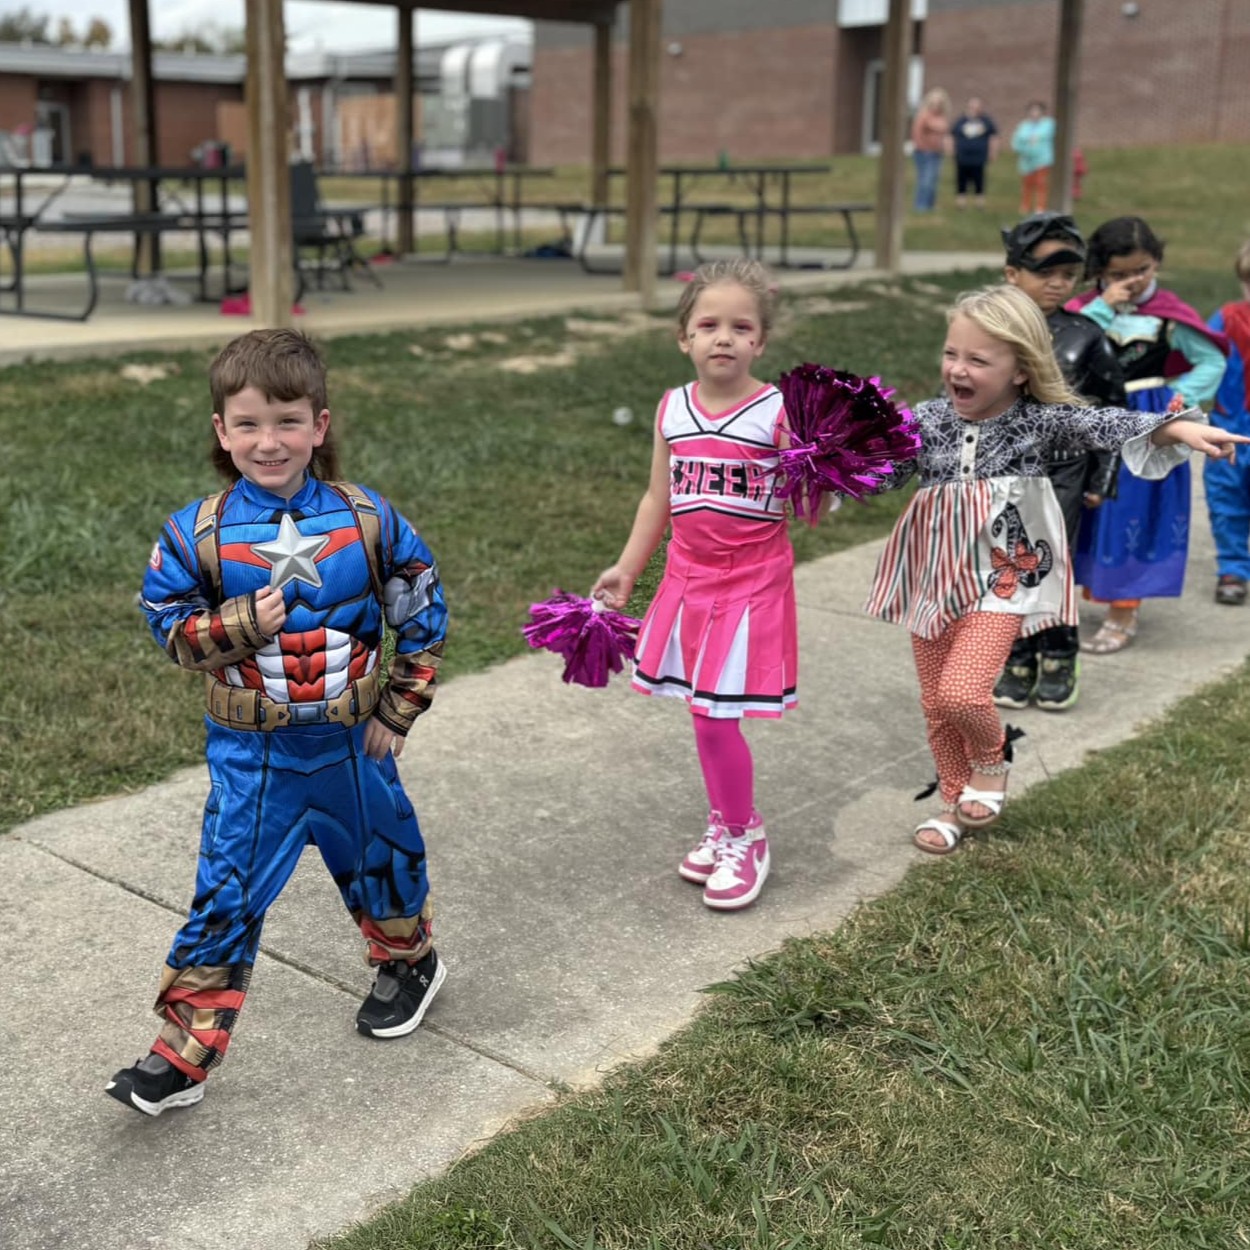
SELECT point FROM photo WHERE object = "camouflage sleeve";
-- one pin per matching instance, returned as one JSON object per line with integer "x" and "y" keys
{"x": 195, "y": 633}
{"x": 415, "y": 610}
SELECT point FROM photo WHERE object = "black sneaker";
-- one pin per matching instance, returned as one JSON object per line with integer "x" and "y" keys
{"x": 1058, "y": 683}
{"x": 154, "y": 1085}
{"x": 400, "y": 996}
{"x": 1016, "y": 683}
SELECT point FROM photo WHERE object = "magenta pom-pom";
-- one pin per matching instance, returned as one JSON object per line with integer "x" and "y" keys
{"x": 845, "y": 436}
{"x": 594, "y": 640}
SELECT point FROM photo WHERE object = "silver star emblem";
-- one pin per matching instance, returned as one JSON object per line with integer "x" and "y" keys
{"x": 292, "y": 556}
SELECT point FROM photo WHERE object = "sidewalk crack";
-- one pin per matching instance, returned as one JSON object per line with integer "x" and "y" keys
{"x": 353, "y": 991}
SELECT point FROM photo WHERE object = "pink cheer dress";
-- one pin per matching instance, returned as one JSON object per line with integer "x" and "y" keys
{"x": 721, "y": 631}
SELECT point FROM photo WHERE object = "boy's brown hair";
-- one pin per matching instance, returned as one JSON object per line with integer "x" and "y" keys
{"x": 1242, "y": 264}
{"x": 282, "y": 365}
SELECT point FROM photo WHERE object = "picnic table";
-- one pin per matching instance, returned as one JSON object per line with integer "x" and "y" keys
{"x": 499, "y": 189}
{"x": 192, "y": 201}
{"x": 172, "y": 214}
{"x": 21, "y": 217}
{"x": 770, "y": 197}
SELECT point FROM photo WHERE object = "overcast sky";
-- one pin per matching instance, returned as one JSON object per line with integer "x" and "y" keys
{"x": 334, "y": 26}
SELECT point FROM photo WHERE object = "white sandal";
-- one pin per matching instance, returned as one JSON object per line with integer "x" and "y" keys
{"x": 992, "y": 799}
{"x": 951, "y": 832}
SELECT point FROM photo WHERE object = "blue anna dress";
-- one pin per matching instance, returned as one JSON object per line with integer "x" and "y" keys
{"x": 1135, "y": 546}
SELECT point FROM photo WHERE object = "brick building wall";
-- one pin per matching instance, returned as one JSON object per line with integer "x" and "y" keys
{"x": 17, "y": 101}
{"x": 93, "y": 120}
{"x": 783, "y": 81}
{"x": 755, "y": 94}
{"x": 186, "y": 115}
{"x": 1174, "y": 73}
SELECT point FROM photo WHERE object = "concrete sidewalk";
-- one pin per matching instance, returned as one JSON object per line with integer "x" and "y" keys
{"x": 415, "y": 294}
{"x": 555, "y": 818}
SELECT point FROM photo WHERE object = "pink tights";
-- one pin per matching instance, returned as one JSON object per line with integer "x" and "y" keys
{"x": 728, "y": 770}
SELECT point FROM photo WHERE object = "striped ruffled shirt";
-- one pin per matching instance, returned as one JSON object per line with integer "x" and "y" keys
{"x": 984, "y": 532}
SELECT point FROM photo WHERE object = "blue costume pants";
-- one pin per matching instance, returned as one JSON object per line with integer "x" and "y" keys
{"x": 271, "y": 795}
{"x": 1228, "y": 504}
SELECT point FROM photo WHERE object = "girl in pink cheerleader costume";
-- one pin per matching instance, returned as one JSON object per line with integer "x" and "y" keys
{"x": 721, "y": 630}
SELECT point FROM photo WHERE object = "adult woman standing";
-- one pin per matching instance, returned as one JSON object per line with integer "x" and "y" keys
{"x": 929, "y": 131}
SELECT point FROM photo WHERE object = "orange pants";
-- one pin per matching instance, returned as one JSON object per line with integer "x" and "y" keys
{"x": 957, "y": 672}
{"x": 1034, "y": 189}
{"x": 1124, "y": 604}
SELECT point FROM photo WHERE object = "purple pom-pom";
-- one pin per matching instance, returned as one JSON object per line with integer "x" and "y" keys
{"x": 595, "y": 641}
{"x": 845, "y": 436}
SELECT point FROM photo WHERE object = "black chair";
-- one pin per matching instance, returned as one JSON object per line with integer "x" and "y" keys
{"x": 323, "y": 239}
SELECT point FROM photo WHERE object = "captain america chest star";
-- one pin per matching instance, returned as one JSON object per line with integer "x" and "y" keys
{"x": 317, "y": 561}
{"x": 334, "y": 624}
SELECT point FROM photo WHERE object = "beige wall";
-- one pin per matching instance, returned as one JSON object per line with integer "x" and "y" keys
{"x": 367, "y": 131}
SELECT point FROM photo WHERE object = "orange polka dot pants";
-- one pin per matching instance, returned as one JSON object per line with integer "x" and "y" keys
{"x": 957, "y": 673}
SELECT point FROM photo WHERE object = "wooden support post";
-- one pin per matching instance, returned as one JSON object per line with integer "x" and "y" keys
{"x": 642, "y": 160}
{"x": 268, "y": 166}
{"x": 891, "y": 178}
{"x": 404, "y": 129}
{"x": 143, "y": 123}
{"x": 601, "y": 115}
{"x": 1071, "y": 20}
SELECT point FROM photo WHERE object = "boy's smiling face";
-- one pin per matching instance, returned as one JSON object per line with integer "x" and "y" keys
{"x": 270, "y": 441}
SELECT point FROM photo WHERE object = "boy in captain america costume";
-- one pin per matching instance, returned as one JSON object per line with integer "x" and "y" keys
{"x": 278, "y": 590}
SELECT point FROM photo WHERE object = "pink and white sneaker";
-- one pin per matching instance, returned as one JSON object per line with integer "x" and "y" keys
{"x": 741, "y": 868}
{"x": 699, "y": 864}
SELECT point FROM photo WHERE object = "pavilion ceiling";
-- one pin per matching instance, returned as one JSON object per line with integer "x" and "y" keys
{"x": 583, "y": 11}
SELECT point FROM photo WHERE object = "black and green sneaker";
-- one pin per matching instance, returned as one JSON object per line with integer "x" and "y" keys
{"x": 1016, "y": 683}
{"x": 1058, "y": 683}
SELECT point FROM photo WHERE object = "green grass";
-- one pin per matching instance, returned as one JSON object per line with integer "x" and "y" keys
{"x": 1171, "y": 187}
{"x": 1174, "y": 188}
{"x": 1043, "y": 1041}
{"x": 89, "y": 706}
{"x": 516, "y": 495}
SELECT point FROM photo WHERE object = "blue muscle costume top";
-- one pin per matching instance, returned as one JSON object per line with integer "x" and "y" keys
{"x": 322, "y": 668}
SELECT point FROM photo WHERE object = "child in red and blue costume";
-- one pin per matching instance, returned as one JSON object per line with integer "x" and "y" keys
{"x": 279, "y": 590}
{"x": 1228, "y": 485}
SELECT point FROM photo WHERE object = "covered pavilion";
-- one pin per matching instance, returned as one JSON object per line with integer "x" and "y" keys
{"x": 268, "y": 188}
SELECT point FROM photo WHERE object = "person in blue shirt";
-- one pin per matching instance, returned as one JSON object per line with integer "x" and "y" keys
{"x": 1033, "y": 142}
